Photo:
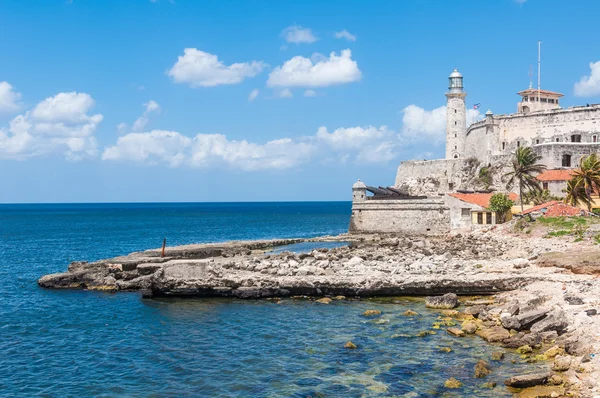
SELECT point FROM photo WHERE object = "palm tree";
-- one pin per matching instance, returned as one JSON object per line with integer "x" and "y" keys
{"x": 587, "y": 177}
{"x": 524, "y": 171}
{"x": 575, "y": 194}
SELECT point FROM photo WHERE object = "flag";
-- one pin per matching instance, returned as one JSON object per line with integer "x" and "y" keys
{"x": 476, "y": 106}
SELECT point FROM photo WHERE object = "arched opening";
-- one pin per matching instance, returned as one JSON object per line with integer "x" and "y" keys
{"x": 503, "y": 145}
{"x": 566, "y": 160}
{"x": 455, "y": 156}
{"x": 594, "y": 138}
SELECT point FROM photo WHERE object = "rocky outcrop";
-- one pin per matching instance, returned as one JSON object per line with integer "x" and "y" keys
{"x": 442, "y": 267}
{"x": 529, "y": 380}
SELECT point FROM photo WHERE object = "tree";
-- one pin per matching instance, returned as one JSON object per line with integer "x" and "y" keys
{"x": 575, "y": 194}
{"x": 539, "y": 197}
{"x": 500, "y": 203}
{"x": 587, "y": 178}
{"x": 524, "y": 171}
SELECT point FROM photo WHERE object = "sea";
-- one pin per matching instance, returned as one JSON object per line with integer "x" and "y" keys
{"x": 58, "y": 343}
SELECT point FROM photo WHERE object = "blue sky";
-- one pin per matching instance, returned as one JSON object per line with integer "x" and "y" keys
{"x": 272, "y": 100}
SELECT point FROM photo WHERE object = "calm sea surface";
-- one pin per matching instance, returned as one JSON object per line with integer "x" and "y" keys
{"x": 74, "y": 343}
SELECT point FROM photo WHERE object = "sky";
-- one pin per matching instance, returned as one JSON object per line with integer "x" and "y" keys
{"x": 188, "y": 101}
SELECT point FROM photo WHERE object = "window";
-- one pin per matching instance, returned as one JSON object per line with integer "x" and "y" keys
{"x": 524, "y": 99}
{"x": 545, "y": 186}
{"x": 450, "y": 186}
{"x": 455, "y": 156}
{"x": 488, "y": 218}
{"x": 576, "y": 138}
{"x": 465, "y": 212}
{"x": 558, "y": 140}
{"x": 551, "y": 101}
{"x": 455, "y": 147}
{"x": 455, "y": 123}
{"x": 479, "y": 218}
{"x": 566, "y": 160}
{"x": 518, "y": 144}
{"x": 455, "y": 111}
{"x": 537, "y": 141}
{"x": 594, "y": 138}
{"x": 455, "y": 135}
{"x": 543, "y": 100}
{"x": 503, "y": 145}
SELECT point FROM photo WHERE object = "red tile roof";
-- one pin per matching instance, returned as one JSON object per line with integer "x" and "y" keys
{"x": 480, "y": 199}
{"x": 555, "y": 209}
{"x": 533, "y": 91}
{"x": 556, "y": 175}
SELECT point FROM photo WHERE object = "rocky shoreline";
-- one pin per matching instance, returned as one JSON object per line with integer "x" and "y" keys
{"x": 543, "y": 305}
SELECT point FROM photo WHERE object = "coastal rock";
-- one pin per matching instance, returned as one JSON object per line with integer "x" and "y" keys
{"x": 522, "y": 339}
{"x": 455, "y": 332}
{"x": 525, "y": 349}
{"x": 482, "y": 369}
{"x": 555, "y": 320}
{"x": 371, "y": 313}
{"x": 469, "y": 327}
{"x": 573, "y": 300}
{"x": 528, "y": 380}
{"x": 527, "y": 319}
{"x": 148, "y": 269}
{"x": 497, "y": 356}
{"x": 562, "y": 363}
{"x": 554, "y": 351}
{"x": 409, "y": 313}
{"x": 489, "y": 385}
{"x": 510, "y": 322}
{"x": 494, "y": 334}
{"x": 542, "y": 392}
{"x": 591, "y": 312}
{"x": 324, "y": 300}
{"x": 447, "y": 301}
{"x": 475, "y": 310}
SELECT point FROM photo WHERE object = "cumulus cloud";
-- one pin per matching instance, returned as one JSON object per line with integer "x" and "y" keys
{"x": 319, "y": 71}
{"x": 297, "y": 34}
{"x": 9, "y": 99}
{"x": 253, "y": 95}
{"x": 285, "y": 93}
{"x": 364, "y": 144}
{"x": 344, "y": 34}
{"x": 58, "y": 124}
{"x": 201, "y": 69}
{"x": 421, "y": 124}
{"x": 141, "y": 122}
{"x": 589, "y": 86}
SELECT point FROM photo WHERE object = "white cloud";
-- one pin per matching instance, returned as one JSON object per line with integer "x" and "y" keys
{"x": 298, "y": 34}
{"x": 363, "y": 144}
{"x": 344, "y": 34}
{"x": 253, "y": 95}
{"x": 589, "y": 86}
{"x": 310, "y": 93}
{"x": 285, "y": 93}
{"x": 58, "y": 124}
{"x": 303, "y": 72}
{"x": 142, "y": 121}
{"x": 421, "y": 124}
{"x": 201, "y": 69}
{"x": 9, "y": 99}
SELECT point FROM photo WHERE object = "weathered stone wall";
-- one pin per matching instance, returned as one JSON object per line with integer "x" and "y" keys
{"x": 552, "y": 152}
{"x": 458, "y": 220}
{"x": 428, "y": 216}
{"x": 506, "y": 132}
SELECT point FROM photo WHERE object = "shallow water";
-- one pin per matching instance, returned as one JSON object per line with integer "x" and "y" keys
{"x": 76, "y": 343}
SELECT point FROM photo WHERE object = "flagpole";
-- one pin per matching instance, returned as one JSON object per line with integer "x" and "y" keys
{"x": 539, "y": 69}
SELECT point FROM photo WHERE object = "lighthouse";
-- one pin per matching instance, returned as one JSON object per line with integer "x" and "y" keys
{"x": 456, "y": 116}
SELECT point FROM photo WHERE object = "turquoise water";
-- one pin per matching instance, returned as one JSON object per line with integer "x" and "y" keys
{"x": 76, "y": 343}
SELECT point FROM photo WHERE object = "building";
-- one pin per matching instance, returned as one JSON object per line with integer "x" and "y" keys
{"x": 435, "y": 196}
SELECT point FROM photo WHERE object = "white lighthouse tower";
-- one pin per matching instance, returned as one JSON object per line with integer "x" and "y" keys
{"x": 456, "y": 116}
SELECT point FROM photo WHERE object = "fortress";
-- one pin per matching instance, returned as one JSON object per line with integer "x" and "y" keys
{"x": 424, "y": 196}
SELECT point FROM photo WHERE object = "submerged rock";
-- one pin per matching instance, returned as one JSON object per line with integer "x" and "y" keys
{"x": 542, "y": 392}
{"x": 410, "y": 313}
{"x": 497, "y": 356}
{"x": 455, "y": 332}
{"x": 371, "y": 313}
{"x": 452, "y": 383}
{"x": 447, "y": 301}
{"x": 494, "y": 334}
{"x": 350, "y": 345}
{"x": 482, "y": 369}
{"x": 324, "y": 300}
{"x": 469, "y": 327}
